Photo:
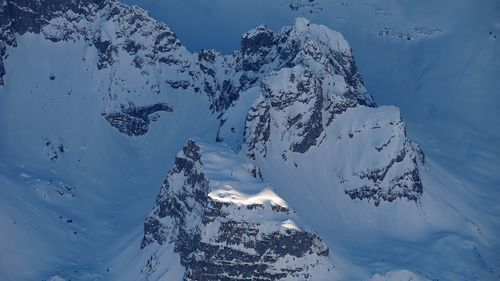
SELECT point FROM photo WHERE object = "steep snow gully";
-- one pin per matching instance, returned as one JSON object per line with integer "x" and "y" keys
{"x": 124, "y": 156}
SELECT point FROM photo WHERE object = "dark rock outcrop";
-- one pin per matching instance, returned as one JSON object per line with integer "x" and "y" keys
{"x": 134, "y": 120}
{"x": 403, "y": 185}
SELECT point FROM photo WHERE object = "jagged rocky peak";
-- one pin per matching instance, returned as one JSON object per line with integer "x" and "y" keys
{"x": 227, "y": 224}
{"x": 389, "y": 169}
{"x": 113, "y": 28}
{"x": 317, "y": 102}
{"x": 367, "y": 148}
{"x": 326, "y": 53}
{"x": 32, "y": 16}
{"x": 305, "y": 96}
{"x": 143, "y": 51}
{"x": 257, "y": 38}
{"x": 303, "y": 43}
{"x": 181, "y": 202}
{"x": 302, "y": 60}
{"x": 256, "y": 45}
{"x": 297, "y": 105}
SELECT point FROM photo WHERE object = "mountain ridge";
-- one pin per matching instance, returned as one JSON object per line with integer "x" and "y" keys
{"x": 291, "y": 101}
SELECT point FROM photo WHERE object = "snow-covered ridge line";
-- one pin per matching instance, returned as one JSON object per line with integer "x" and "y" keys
{"x": 231, "y": 237}
{"x": 297, "y": 81}
{"x": 160, "y": 64}
{"x": 121, "y": 32}
{"x": 108, "y": 25}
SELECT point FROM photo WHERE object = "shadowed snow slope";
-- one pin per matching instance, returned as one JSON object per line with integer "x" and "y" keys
{"x": 287, "y": 170}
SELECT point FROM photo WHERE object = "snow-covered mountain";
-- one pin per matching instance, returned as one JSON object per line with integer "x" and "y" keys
{"x": 281, "y": 166}
{"x": 226, "y": 224}
{"x": 437, "y": 61}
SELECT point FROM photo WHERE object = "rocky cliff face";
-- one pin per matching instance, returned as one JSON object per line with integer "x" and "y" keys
{"x": 317, "y": 100}
{"x": 367, "y": 147}
{"x": 225, "y": 224}
{"x": 122, "y": 44}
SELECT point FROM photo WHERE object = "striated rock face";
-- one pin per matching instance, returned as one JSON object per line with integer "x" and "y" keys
{"x": 19, "y": 17}
{"x": 264, "y": 52}
{"x": 365, "y": 147}
{"x": 316, "y": 80}
{"x": 223, "y": 231}
{"x": 389, "y": 183}
{"x": 60, "y": 20}
{"x": 180, "y": 204}
{"x": 304, "y": 62}
{"x": 132, "y": 56}
{"x": 317, "y": 101}
{"x": 294, "y": 97}
{"x": 256, "y": 45}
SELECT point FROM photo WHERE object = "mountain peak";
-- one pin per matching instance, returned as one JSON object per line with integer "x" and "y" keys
{"x": 226, "y": 223}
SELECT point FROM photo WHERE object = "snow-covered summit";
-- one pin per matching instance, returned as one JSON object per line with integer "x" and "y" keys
{"x": 225, "y": 223}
